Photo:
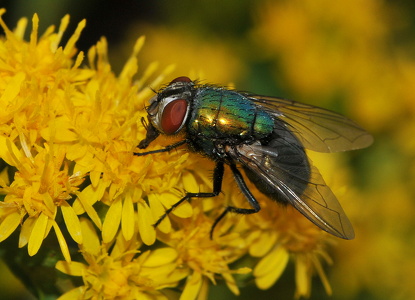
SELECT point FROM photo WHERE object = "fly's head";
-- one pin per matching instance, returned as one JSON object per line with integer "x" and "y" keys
{"x": 168, "y": 110}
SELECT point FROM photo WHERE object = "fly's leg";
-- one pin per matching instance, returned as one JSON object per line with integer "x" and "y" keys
{"x": 165, "y": 149}
{"x": 247, "y": 193}
{"x": 152, "y": 133}
{"x": 217, "y": 187}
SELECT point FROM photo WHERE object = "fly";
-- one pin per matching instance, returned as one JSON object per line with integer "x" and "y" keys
{"x": 266, "y": 136}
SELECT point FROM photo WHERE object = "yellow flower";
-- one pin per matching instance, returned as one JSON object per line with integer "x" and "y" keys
{"x": 33, "y": 92}
{"x": 205, "y": 258}
{"x": 118, "y": 271}
{"x": 40, "y": 187}
{"x": 276, "y": 234}
{"x": 60, "y": 123}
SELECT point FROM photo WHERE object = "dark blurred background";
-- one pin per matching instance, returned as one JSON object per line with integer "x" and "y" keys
{"x": 353, "y": 56}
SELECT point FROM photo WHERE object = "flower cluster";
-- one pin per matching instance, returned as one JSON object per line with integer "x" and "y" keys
{"x": 68, "y": 132}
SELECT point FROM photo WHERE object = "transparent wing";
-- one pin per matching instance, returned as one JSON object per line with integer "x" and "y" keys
{"x": 307, "y": 192}
{"x": 317, "y": 128}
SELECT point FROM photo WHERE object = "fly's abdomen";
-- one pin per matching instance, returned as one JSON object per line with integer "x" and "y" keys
{"x": 222, "y": 114}
{"x": 289, "y": 164}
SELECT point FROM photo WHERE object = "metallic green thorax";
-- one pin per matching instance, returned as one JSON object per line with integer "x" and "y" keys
{"x": 220, "y": 115}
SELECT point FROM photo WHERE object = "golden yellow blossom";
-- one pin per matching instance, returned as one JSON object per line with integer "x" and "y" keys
{"x": 204, "y": 257}
{"x": 118, "y": 271}
{"x": 32, "y": 93}
{"x": 61, "y": 123}
{"x": 277, "y": 233}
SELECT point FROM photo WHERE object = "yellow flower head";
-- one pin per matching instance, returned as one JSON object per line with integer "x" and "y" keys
{"x": 37, "y": 79}
{"x": 60, "y": 123}
{"x": 118, "y": 271}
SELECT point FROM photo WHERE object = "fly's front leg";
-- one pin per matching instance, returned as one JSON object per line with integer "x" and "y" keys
{"x": 151, "y": 135}
{"x": 165, "y": 149}
{"x": 217, "y": 187}
{"x": 247, "y": 193}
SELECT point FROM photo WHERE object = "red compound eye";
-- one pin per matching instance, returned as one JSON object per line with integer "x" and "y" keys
{"x": 173, "y": 116}
{"x": 181, "y": 79}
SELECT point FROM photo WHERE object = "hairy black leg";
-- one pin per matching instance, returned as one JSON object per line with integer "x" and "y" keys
{"x": 165, "y": 149}
{"x": 217, "y": 187}
{"x": 251, "y": 199}
{"x": 151, "y": 135}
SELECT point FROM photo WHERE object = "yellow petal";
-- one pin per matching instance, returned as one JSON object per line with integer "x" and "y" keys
{"x": 62, "y": 27}
{"x": 27, "y": 228}
{"x": 20, "y": 29}
{"x": 9, "y": 224}
{"x": 302, "y": 278}
{"x": 164, "y": 275}
{"x": 4, "y": 177}
{"x": 62, "y": 125}
{"x": 270, "y": 268}
{"x": 322, "y": 274}
{"x": 127, "y": 219}
{"x": 91, "y": 195}
{"x": 192, "y": 287}
{"x": 112, "y": 221}
{"x": 157, "y": 211}
{"x": 184, "y": 210}
{"x": 62, "y": 242}
{"x": 72, "y": 222}
{"x": 92, "y": 243}
{"x": 263, "y": 244}
{"x": 130, "y": 68}
{"x": 9, "y": 152}
{"x": 49, "y": 226}
{"x": 71, "y": 268}
{"x": 37, "y": 234}
{"x": 204, "y": 290}
{"x": 48, "y": 200}
{"x": 95, "y": 178}
{"x": 78, "y": 207}
{"x": 12, "y": 89}
{"x": 77, "y": 151}
{"x": 189, "y": 183}
{"x": 145, "y": 223}
{"x": 171, "y": 277}
{"x": 160, "y": 257}
{"x": 231, "y": 283}
{"x": 85, "y": 164}
{"x": 70, "y": 45}
{"x": 89, "y": 209}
